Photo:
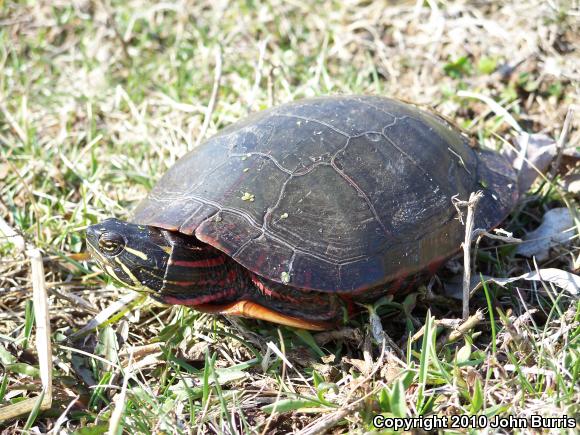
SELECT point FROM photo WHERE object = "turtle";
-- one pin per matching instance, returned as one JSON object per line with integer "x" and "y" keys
{"x": 296, "y": 213}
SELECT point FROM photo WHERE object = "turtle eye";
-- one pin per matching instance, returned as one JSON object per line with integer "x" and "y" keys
{"x": 111, "y": 243}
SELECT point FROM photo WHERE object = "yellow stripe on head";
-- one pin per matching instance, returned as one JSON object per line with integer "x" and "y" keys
{"x": 141, "y": 255}
{"x": 111, "y": 272}
{"x": 128, "y": 272}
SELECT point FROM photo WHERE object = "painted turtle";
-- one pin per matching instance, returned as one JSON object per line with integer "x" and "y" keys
{"x": 293, "y": 211}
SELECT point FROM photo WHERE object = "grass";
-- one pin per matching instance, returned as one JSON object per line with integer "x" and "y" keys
{"x": 98, "y": 99}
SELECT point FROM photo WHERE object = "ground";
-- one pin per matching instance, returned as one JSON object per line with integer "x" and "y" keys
{"x": 99, "y": 98}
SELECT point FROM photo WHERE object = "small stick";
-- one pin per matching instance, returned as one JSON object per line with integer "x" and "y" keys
{"x": 446, "y": 323}
{"x": 322, "y": 424}
{"x": 457, "y": 331}
{"x": 470, "y": 323}
{"x": 472, "y": 204}
{"x": 457, "y": 326}
{"x": 469, "y": 220}
{"x": 480, "y": 233}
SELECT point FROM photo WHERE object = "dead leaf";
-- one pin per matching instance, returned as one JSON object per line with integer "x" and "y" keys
{"x": 565, "y": 280}
{"x": 536, "y": 152}
{"x": 552, "y": 232}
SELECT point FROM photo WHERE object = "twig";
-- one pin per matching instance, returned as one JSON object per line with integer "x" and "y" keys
{"x": 469, "y": 220}
{"x": 457, "y": 331}
{"x": 479, "y": 233}
{"x": 446, "y": 323}
{"x": 469, "y": 324}
{"x": 326, "y": 422}
{"x": 213, "y": 97}
{"x": 138, "y": 352}
{"x": 472, "y": 204}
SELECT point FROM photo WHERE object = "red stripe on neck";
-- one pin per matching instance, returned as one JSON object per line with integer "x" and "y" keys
{"x": 228, "y": 280}
{"x": 209, "y": 262}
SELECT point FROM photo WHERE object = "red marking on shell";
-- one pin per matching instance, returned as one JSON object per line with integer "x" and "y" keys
{"x": 209, "y": 262}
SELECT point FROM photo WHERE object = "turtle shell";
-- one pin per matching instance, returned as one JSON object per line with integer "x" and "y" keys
{"x": 332, "y": 194}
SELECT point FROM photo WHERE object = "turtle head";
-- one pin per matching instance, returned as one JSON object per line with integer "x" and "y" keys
{"x": 136, "y": 255}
